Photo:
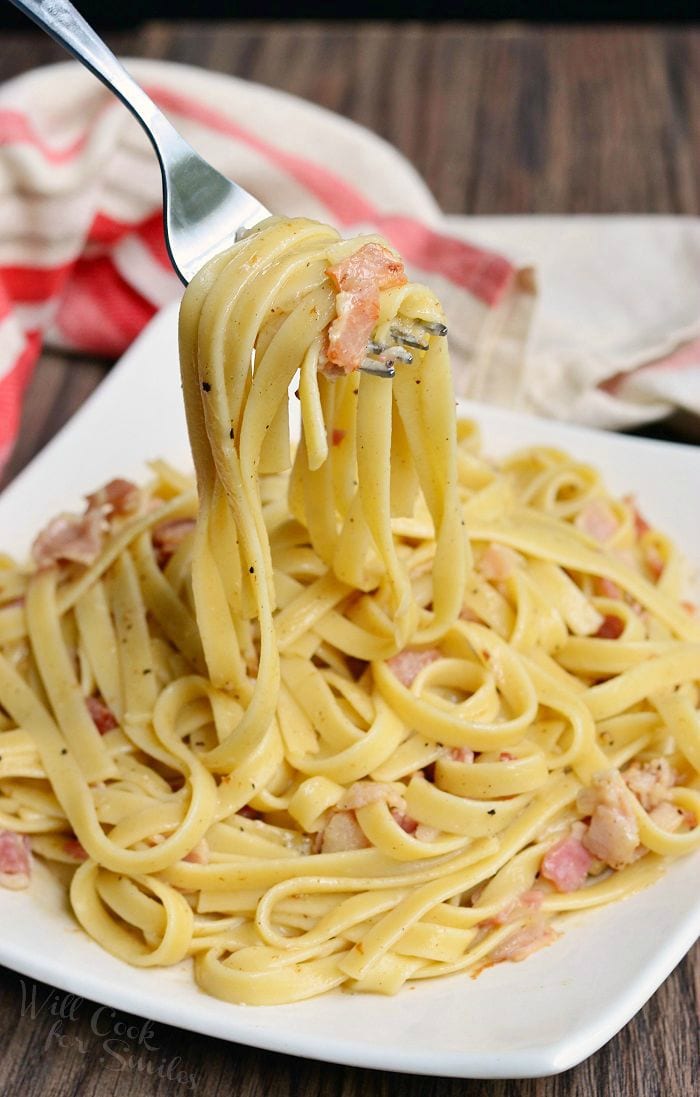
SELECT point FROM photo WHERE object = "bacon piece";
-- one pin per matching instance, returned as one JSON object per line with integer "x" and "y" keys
{"x": 523, "y": 942}
{"x": 359, "y": 280}
{"x": 532, "y": 898}
{"x": 70, "y": 537}
{"x": 611, "y": 628}
{"x": 168, "y": 536}
{"x": 606, "y": 588}
{"x": 338, "y": 436}
{"x": 468, "y": 614}
{"x": 461, "y": 754}
{"x": 425, "y": 833}
{"x": 506, "y": 756}
{"x": 654, "y": 561}
{"x": 407, "y": 664}
{"x": 102, "y": 716}
{"x": 612, "y": 835}
{"x": 597, "y": 520}
{"x": 74, "y": 849}
{"x": 343, "y": 832}
{"x": 199, "y": 854}
{"x": 641, "y": 526}
{"x": 117, "y": 497}
{"x": 15, "y": 860}
{"x": 362, "y": 793}
{"x": 566, "y": 863}
{"x": 498, "y": 562}
{"x": 528, "y": 901}
{"x": 352, "y": 329}
{"x": 372, "y": 264}
{"x": 406, "y": 822}
{"x": 650, "y": 781}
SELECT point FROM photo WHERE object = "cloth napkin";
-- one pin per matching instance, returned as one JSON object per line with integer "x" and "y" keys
{"x": 615, "y": 339}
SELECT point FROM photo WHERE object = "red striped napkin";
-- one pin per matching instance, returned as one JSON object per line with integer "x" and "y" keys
{"x": 82, "y": 259}
{"x": 615, "y": 339}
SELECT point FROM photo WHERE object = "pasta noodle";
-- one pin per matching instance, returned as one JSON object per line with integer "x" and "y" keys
{"x": 377, "y": 711}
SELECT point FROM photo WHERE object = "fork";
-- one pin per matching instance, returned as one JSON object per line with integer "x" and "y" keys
{"x": 203, "y": 212}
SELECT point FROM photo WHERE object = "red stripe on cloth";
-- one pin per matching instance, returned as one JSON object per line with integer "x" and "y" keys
{"x": 15, "y": 128}
{"x": 12, "y": 387}
{"x": 107, "y": 231}
{"x": 6, "y": 302}
{"x": 30, "y": 285}
{"x": 686, "y": 356}
{"x": 99, "y": 311}
{"x": 484, "y": 274}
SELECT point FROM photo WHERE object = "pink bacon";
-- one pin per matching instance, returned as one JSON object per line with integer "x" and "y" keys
{"x": 407, "y": 664}
{"x": 168, "y": 536}
{"x": 15, "y": 860}
{"x": 69, "y": 538}
{"x": 566, "y": 864}
{"x": 359, "y": 280}
{"x": 103, "y": 717}
{"x": 117, "y": 497}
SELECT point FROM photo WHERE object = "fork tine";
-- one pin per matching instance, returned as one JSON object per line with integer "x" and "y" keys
{"x": 382, "y": 356}
{"x": 390, "y": 352}
{"x": 432, "y": 327}
{"x": 378, "y": 368}
{"x": 408, "y": 339}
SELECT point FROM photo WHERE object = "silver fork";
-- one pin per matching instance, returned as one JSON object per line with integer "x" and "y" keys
{"x": 203, "y": 212}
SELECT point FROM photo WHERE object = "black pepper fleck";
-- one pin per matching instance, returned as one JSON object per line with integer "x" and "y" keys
{"x": 491, "y": 811}
{"x": 206, "y": 386}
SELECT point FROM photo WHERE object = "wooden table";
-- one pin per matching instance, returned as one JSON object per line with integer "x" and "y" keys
{"x": 499, "y": 120}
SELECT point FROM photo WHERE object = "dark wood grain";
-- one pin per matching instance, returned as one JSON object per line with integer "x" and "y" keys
{"x": 498, "y": 120}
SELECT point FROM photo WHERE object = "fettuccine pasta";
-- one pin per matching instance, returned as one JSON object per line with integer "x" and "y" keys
{"x": 374, "y": 711}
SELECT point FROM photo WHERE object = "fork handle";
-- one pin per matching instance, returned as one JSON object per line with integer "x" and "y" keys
{"x": 66, "y": 25}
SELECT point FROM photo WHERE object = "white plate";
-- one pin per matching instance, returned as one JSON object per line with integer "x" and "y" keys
{"x": 516, "y": 1020}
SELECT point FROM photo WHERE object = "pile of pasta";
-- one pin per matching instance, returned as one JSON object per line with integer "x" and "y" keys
{"x": 379, "y": 710}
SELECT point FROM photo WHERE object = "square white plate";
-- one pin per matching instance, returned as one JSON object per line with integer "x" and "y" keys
{"x": 516, "y": 1020}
